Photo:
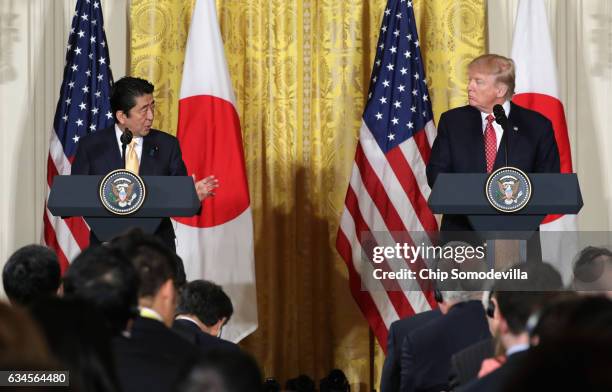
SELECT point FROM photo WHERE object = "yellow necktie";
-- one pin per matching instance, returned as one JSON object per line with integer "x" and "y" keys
{"x": 131, "y": 159}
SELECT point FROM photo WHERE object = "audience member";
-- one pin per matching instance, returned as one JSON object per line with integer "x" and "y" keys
{"x": 21, "y": 340}
{"x": 202, "y": 311}
{"x": 152, "y": 358}
{"x": 426, "y": 352}
{"x": 301, "y": 383}
{"x": 593, "y": 271}
{"x": 390, "y": 378}
{"x": 574, "y": 341}
{"x": 335, "y": 381}
{"x": 224, "y": 371}
{"x": 78, "y": 338}
{"x": 30, "y": 273}
{"x": 572, "y": 315}
{"x": 105, "y": 278}
{"x": 513, "y": 302}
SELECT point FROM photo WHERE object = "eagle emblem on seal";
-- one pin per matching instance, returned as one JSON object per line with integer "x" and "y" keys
{"x": 509, "y": 188}
{"x": 124, "y": 193}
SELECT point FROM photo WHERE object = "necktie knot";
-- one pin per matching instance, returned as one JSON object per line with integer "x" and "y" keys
{"x": 490, "y": 118}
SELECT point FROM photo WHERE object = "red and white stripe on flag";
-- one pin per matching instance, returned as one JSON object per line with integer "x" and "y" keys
{"x": 537, "y": 89}
{"x": 386, "y": 200}
{"x": 82, "y": 108}
{"x": 216, "y": 245}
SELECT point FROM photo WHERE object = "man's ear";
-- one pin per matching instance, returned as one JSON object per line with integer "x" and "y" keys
{"x": 121, "y": 116}
{"x": 167, "y": 289}
{"x": 221, "y": 322}
{"x": 502, "y": 90}
{"x": 503, "y": 326}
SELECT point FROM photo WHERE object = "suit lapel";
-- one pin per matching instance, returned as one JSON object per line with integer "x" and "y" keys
{"x": 476, "y": 144}
{"x": 114, "y": 158}
{"x": 147, "y": 159}
{"x": 514, "y": 121}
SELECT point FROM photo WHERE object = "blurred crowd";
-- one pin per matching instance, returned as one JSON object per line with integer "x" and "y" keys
{"x": 533, "y": 334}
{"x": 123, "y": 317}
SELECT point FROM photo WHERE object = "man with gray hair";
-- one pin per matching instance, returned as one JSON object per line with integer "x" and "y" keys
{"x": 426, "y": 352}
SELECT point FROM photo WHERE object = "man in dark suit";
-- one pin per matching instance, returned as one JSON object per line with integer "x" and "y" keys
{"x": 427, "y": 351}
{"x": 466, "y": 364}
{"x": 151, "y": 152}
{"x": 465, "y": 134}
{"x": 390, "y": 378}
{"x": 202, "y": 312}
{"x": 152, "y": 357}
{"x": 514, "y": 303}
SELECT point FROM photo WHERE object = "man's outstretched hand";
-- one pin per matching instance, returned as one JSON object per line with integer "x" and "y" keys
{"x": 205, "y": 187}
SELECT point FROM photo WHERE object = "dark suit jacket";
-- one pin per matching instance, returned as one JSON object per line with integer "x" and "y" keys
{"x": 153, "y": 358}
{"x": 192, "y": 333}
{"x": 390, "y": 378}
{"x": 497, "y": 380}
{"x": 427, "y": 352}
{"x": 99, "y": 153}
{"x": 459, "y": 148}
{"x": 466, "y": 364}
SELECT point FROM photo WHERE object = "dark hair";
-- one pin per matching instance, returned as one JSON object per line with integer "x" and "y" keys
{"x": 181, "y": 276}
{"x": 575, "y": 363}
{"x": 518, "y": 299}
{"x": 104, "y": 277}
{"x": 31, "y": 272}
{"x": 574, "y": 316}
{"x": 125, "y": 91}
{"x": 223, "y": 370}
{"x": 21, "y": 341}
{"x": 206, "y": 300}
{"x": 301, "y": 383}
{"x": 589, "y": 266}
{"x": 78, "y": 338}
{"x": 154, "y": 262}
{"x": 335, "y": 381}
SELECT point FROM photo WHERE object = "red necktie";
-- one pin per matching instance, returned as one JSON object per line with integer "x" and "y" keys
{"x": 490, "y": 143}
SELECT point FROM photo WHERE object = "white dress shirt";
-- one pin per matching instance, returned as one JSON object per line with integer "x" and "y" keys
{"x": 136, "y": 139}
{"x": 499, "y": 131}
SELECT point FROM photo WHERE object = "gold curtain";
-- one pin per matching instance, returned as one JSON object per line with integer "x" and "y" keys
{"x": 300, "y": 70}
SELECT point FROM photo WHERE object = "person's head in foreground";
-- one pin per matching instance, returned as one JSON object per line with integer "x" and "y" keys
{"x": 208, "y": 304}
{"x": 224, "y": 371}
{"x": 30, "y": 273}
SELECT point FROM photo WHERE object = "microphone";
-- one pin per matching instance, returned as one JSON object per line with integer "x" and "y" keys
{"x": 502, "y": 119}
{"x": 126, "y": 138}
{"x": 500, "y": 115}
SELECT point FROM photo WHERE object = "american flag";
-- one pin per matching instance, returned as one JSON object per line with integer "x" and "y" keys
{"x": 83, "y": 107}
{"x": 386, "y": 201}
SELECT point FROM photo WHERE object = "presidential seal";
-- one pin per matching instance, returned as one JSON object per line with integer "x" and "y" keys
{"x": 122, "y": 192}
{"x": 508, "y": 189}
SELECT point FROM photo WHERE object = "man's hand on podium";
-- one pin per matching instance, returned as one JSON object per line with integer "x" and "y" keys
{"x": 205, "y": 187}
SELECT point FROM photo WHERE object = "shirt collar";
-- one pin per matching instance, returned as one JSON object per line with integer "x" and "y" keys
{"x": 118, "y": 132}
{"x": 517, "y": 348}
{"x": 183, "y": 317}
{"x": 150, "y": 314}
{"x": 505, "y": 105}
